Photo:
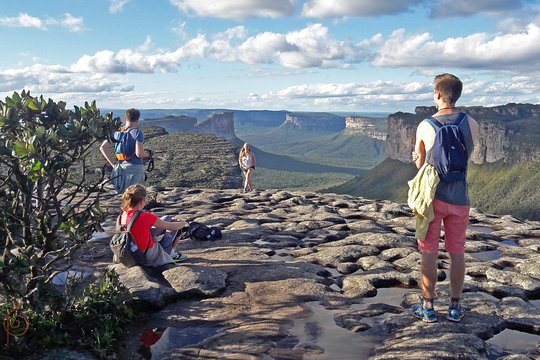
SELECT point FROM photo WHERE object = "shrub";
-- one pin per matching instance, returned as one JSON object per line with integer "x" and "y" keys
{"x": 46, "y": 212}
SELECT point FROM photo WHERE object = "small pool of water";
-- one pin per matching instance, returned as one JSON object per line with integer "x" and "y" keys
{"x": 333, "y": 271}
{"x": 262, "y": 243}
{"x": 514, "y": 340}
{"x": 487, "y": 255}
{"x": 175, "y": 338}
{"x": 391, "y": 296}
{"x": 509, "y": 243}
{"x": 535, "y": 302}
{"x": 321, "y": 332}
{"x": 66, "y": 277}
{"x": 481, "y": 229}
{"x": 283, "y": 255}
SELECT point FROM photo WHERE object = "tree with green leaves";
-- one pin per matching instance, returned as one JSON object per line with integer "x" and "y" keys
{"x": 49, "y": 207}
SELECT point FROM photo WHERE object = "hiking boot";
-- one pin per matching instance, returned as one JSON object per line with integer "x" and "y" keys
{"x": 455, "y": 313}
{"x": 426, "y": 315}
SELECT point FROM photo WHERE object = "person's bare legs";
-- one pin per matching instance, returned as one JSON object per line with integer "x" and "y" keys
{"x": 429, "y": 274}
{"x": 246, "y": 180}
{"x": 457, "y": 274}
{"x": 249, "y": 175}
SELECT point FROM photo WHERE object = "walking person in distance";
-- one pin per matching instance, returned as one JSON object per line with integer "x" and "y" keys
{"x": 128, "y": 166}
{"x": 247, "y": 162}
{"x": 451, "y": 202}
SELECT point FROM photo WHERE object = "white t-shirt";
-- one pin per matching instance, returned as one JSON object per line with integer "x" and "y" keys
{"x": 247, "y": 160}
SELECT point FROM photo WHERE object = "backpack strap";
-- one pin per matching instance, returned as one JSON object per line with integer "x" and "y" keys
{"x": 133, "y": 219}
{"x": 436, "y": 124}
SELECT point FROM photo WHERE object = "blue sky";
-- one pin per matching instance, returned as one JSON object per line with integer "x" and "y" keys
{"x": 298, "y": 55}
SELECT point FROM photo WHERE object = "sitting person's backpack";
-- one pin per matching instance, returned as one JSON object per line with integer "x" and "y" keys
{"x": 449, "y": 151}
{"x": 124, "y": 148}
{"x": 123, "y": 244}
{"x": 201, "y": 232}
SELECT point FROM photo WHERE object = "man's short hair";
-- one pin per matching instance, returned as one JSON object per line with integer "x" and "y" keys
{"x": 133, "y": 115}
{"x": 449, "y": 87}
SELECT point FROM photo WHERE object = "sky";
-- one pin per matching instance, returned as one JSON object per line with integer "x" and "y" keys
{"x": 296, "y": 55}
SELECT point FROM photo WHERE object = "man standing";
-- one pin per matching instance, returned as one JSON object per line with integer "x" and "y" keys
{"x": 451, "y": 203}
{"x": 128, "y": 167}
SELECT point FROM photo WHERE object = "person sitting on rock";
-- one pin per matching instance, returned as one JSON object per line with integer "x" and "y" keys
{"x": 247, "y": 161}
{"x": 149, "y": 227}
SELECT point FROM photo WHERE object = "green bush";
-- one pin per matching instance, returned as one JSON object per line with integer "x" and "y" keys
{"x": 94, "y": 322}
{"x": 46, "y": 212}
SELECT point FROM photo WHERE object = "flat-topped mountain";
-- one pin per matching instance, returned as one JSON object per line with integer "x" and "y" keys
{"x": 508, "y": 133}
{"x": 220, "y": 124}
{"x": 314, "y": 122}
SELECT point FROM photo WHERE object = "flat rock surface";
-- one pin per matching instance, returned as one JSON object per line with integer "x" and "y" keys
{"x": 301, "y": 275}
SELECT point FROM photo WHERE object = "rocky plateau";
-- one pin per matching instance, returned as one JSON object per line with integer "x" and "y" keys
{"x": 300, "y": 275}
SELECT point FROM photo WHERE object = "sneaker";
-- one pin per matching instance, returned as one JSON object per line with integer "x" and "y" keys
{"x": 455, "y": 313}
{"x": 178, "y": 257}
{"x": 426, "y": 315}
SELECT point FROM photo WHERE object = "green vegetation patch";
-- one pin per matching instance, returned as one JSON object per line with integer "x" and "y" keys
{"x": 293, "y": 180}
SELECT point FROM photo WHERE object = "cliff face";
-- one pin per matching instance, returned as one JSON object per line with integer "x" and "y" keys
{"x": 314, "y": 122}
{"x": 371, "y": 127}
{"x": 508, "y": 133}
{"x": 219, "y": 124}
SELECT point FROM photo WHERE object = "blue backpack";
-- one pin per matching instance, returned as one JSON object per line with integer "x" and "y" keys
{"x": 449, "y": 151}
{"x": 125, "y": 144}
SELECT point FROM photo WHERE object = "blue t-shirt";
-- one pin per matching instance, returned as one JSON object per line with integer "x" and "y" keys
{"x": 137, "y": 135}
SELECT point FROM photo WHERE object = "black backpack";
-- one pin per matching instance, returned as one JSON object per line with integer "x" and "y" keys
{"x": 449, "y": 151}
{"x": 123, "y": 244}
{"x": 201, "y": 232}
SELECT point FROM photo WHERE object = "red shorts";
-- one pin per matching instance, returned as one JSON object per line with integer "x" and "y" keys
{"x": 455, "y": 219}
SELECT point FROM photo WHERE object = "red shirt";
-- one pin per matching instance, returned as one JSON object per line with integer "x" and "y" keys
{"x": 141, "y": 228}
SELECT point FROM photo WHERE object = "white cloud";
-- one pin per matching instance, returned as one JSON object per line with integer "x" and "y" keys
{"x": 236, "y": 9}
{"x": 117, "y": 6}
{"x": 313, "y": 46}
{"x": 57, "y": 79}
{"x": 23, "y": 20}
{"x": 518, "y": 50}
{"x": 360, "y": 8}
{"x": 72, "y": 23}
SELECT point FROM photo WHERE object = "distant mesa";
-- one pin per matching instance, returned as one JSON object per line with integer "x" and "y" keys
{"x": 323, "y": 122}
{"x": 218, "y": 124}
{"x": 375, "y": 128}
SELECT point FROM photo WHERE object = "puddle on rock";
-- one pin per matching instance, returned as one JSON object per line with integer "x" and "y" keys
{"x": 319, "y": 331}
{"x": 480, "y": 229}
{"x": 391, "y": 296}
{"x": 67, "y": 277}
{"x": 487, "y": 255}
{"x": 509, "y": 243}
{"x": 514, "y": 340}
{"x": 262, "y": 243}
{"x": 333, "y": 271}
{"x": 335, "y": 287}
{"x": 175, "y": 338}
{"x": 283, "y": 255}
{"x": 535, "y": 302}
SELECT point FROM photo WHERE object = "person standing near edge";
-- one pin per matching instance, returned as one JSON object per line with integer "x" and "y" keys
{"x": 451, "y": 202}
{"x": 247, "y": 162}
{"x": 131, "y": 170}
